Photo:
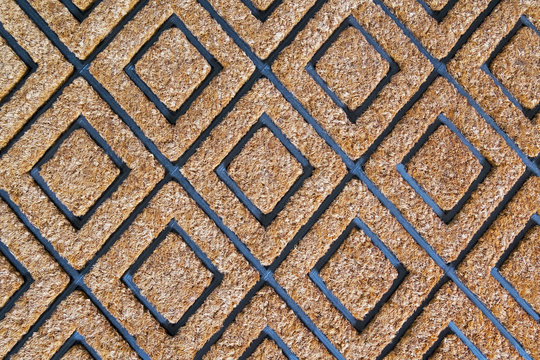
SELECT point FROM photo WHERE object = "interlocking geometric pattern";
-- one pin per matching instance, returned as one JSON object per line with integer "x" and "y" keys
{"x": 269, "y": 179}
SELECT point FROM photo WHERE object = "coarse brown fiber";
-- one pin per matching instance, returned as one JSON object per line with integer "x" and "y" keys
{"x": 269, "y": 179}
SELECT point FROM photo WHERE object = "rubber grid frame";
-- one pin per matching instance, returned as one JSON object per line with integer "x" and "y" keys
{"x": 355, "y": 168}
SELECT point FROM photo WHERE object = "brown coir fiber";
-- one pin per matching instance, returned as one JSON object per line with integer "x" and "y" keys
{"x": 256, "y": 217}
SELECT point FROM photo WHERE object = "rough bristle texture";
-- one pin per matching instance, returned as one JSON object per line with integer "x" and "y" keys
{"x": 269, "y": 179}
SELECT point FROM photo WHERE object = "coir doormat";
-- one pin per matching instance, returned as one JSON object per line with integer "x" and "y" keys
{"x": 269, "y": 179}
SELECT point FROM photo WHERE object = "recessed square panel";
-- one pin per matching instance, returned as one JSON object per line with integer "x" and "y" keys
{"x": 352, "y": 68}
{"x": 264, "y": 170}
{"x": 496, "y": 88}
{"x": 172, "y": 278}
{"x": 79, "y": 172}
{"x": 347, "y": 69}
{"x": 444, "y": 168}
{"x": 358, "y": 274}
{"x": 193, "y": 248}
{"x": 130, "y": 172}
{"x": 173, "y": 68}
{"x": 266, "y": 235}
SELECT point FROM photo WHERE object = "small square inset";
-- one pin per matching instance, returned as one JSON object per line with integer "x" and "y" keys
{"x": 264, "y": 170}
{"x": 16, "y": 65}
{"x": 80, "y": 9}
{"x": 518, "y": 269}
{"x": 14, "y": 279}
{"x": 79, "y": 172}
{"x": 76, "y": 348}
{"x": 172, "y": 278}
{"x": 262, "y": 9}
{"x": 373, "y": 274}
{"x": 514, "y": 66}
{"x": 268, "y": 345}
{"x": 352, "y": 68}
{"x": 444, "y": 168}
{"x": 453, "y": 344}
{"x": 172, "y": 68}
{"x": 438, "y": 9}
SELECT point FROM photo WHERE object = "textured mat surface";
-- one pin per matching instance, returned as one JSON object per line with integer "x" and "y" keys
{"x": 269, "y": 179}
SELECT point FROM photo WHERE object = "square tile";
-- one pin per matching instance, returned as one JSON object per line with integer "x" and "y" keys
{"x": 444, "y": 168}
{"x": 79, "y": 172}
{"x": 353, "y": 129}
{"x": 470, "y": 195}
{"x": 78, "y": 238}
{"x": 173, "y": 68}
{"x": 352, "y": 68}
{"x": 355, "y": 207}
{"x": 358, "y": 274}
{"x": 173, "y": 132}
{"x": 264, "y": 170}
{"x": 172, "y": 277}
{"x": 171, "y": 211}
{"x": 471, "y": 68}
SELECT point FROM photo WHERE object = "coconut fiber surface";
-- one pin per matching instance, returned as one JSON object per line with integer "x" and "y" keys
{"x": 269, "y": 179}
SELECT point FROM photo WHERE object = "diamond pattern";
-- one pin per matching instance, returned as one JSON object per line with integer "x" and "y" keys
{"x": 444, "y": 167}
{"x": 79, "y": 172}
{"x": 358, "y": 273}
{"x": 162, "y": 277}
{"x": 275, "y": 179}
{"x": 173, "y": 68}
{"x": 265, "y": 170}
{"x": 351, "y": 57}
